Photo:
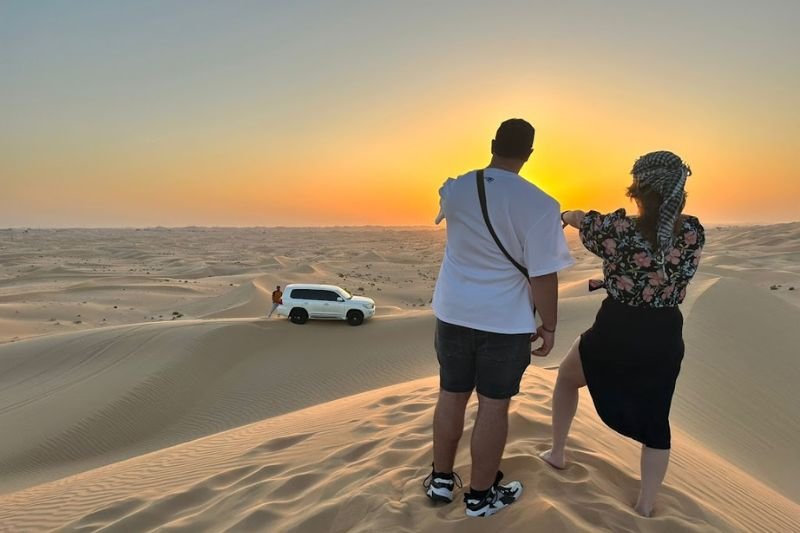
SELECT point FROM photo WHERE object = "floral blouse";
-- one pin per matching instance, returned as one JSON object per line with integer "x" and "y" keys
{"x": 634, "y": 273}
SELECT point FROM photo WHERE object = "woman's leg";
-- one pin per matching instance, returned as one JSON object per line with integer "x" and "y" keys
{"x": 565, "y": 403}
{"x": 654, "y": 468}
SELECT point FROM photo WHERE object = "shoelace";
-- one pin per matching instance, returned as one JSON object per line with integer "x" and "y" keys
{"x": 456, "y": 481}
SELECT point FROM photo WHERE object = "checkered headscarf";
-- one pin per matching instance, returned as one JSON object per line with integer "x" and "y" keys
{"x": 665, "y": 173}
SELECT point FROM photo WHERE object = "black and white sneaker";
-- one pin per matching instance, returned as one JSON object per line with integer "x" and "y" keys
{"x": 496, "y": 498}
{"x": 440, "y": 487}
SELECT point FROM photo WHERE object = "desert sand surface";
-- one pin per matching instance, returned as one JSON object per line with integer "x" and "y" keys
{"x": 142, "y": 389}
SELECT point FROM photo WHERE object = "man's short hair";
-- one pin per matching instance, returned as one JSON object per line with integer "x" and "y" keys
{"x": 514, "y": 138}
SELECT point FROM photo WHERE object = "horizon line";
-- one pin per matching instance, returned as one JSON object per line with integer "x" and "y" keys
{"x": 327, "y": 226}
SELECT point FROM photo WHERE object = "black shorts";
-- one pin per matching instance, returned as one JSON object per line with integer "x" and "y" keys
{"x": 491, "y": 363}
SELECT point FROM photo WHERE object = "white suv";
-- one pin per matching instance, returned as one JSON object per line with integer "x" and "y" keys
{"x": 301, "y": 302}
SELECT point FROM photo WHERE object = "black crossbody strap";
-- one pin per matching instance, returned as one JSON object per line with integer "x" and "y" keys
{"x": 485, "y": 210}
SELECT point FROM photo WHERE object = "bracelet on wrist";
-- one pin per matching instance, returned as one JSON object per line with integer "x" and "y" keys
{"x": 548, "y": 330}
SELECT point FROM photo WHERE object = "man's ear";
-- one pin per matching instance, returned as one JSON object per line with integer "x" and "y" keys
{"x": 493, "y": 141}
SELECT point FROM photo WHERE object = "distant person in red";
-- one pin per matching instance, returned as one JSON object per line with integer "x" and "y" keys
{"x": 277, "y": 299}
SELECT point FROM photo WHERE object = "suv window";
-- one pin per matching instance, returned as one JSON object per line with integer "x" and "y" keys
{"x": 329, "y": 296}
{"x": 301, "y": 294}
{"x": 315, "y": 294}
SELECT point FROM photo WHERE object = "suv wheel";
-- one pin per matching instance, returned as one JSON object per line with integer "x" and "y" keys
{"x": 355, "y": 318}
{"x": 298, "y": 315}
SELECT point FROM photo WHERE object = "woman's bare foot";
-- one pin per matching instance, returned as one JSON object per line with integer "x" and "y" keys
{"x": 555, "y": 460}
{"x": 644, "y": 510}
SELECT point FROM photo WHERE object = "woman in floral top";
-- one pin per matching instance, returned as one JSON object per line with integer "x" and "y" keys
{"x": 633, "y": 273}
{"x": 631, "y": 356}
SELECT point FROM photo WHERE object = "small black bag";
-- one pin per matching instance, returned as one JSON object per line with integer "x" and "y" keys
{"x": 485, "y": 210}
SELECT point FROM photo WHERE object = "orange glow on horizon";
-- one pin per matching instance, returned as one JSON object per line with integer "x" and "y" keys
{"x": 385, "y": 168}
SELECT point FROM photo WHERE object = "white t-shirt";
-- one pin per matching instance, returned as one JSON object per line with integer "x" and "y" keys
{"x": 478, "y": 287}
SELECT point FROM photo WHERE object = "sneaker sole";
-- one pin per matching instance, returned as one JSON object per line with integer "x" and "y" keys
{"x": 438, "y": 499}
{"x": 494, "y": 511}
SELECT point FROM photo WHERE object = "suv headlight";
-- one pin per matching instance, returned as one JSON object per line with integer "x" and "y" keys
{"x": 368, "y": 305}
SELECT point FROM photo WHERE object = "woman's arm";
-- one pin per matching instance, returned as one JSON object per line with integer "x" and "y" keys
{"x": 573, "y": 218}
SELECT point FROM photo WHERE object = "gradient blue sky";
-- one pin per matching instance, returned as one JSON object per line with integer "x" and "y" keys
{"x": 217, "y": 113}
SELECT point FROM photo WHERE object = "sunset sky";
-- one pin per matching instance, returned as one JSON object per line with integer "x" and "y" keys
{"x": 122, "y": 113}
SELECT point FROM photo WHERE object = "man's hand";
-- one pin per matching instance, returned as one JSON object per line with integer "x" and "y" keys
{"x": 548, "y": 342}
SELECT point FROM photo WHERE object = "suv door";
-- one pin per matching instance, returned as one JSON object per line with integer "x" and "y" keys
{"x": 314, "y": 303}
{"x": 329, "y": 303}
{"x": 301, "y": 298}
{"x": 297, "y": 298}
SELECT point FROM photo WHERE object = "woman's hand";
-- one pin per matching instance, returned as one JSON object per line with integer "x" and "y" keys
{"x": 573, "y": 218}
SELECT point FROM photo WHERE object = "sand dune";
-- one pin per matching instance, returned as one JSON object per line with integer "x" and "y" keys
{"x": 371, "y": 256}
{"x": 304, "y": 268}
{"x": 250, "y": 299}
{"x": 356, "y": 464}
{"x": 738, "y": 385}
{"x": 133, "y": 417}
{"x": 133, "y": 389}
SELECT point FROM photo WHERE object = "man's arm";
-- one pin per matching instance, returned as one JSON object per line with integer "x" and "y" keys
{"x": 546, "y": 252}
{"x": 544, "y": 294}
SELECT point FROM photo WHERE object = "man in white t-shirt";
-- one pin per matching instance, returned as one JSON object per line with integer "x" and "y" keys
{"x": 484, "y": 307}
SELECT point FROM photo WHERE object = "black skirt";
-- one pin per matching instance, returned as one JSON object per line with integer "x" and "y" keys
{"x": 631, "y": 358}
